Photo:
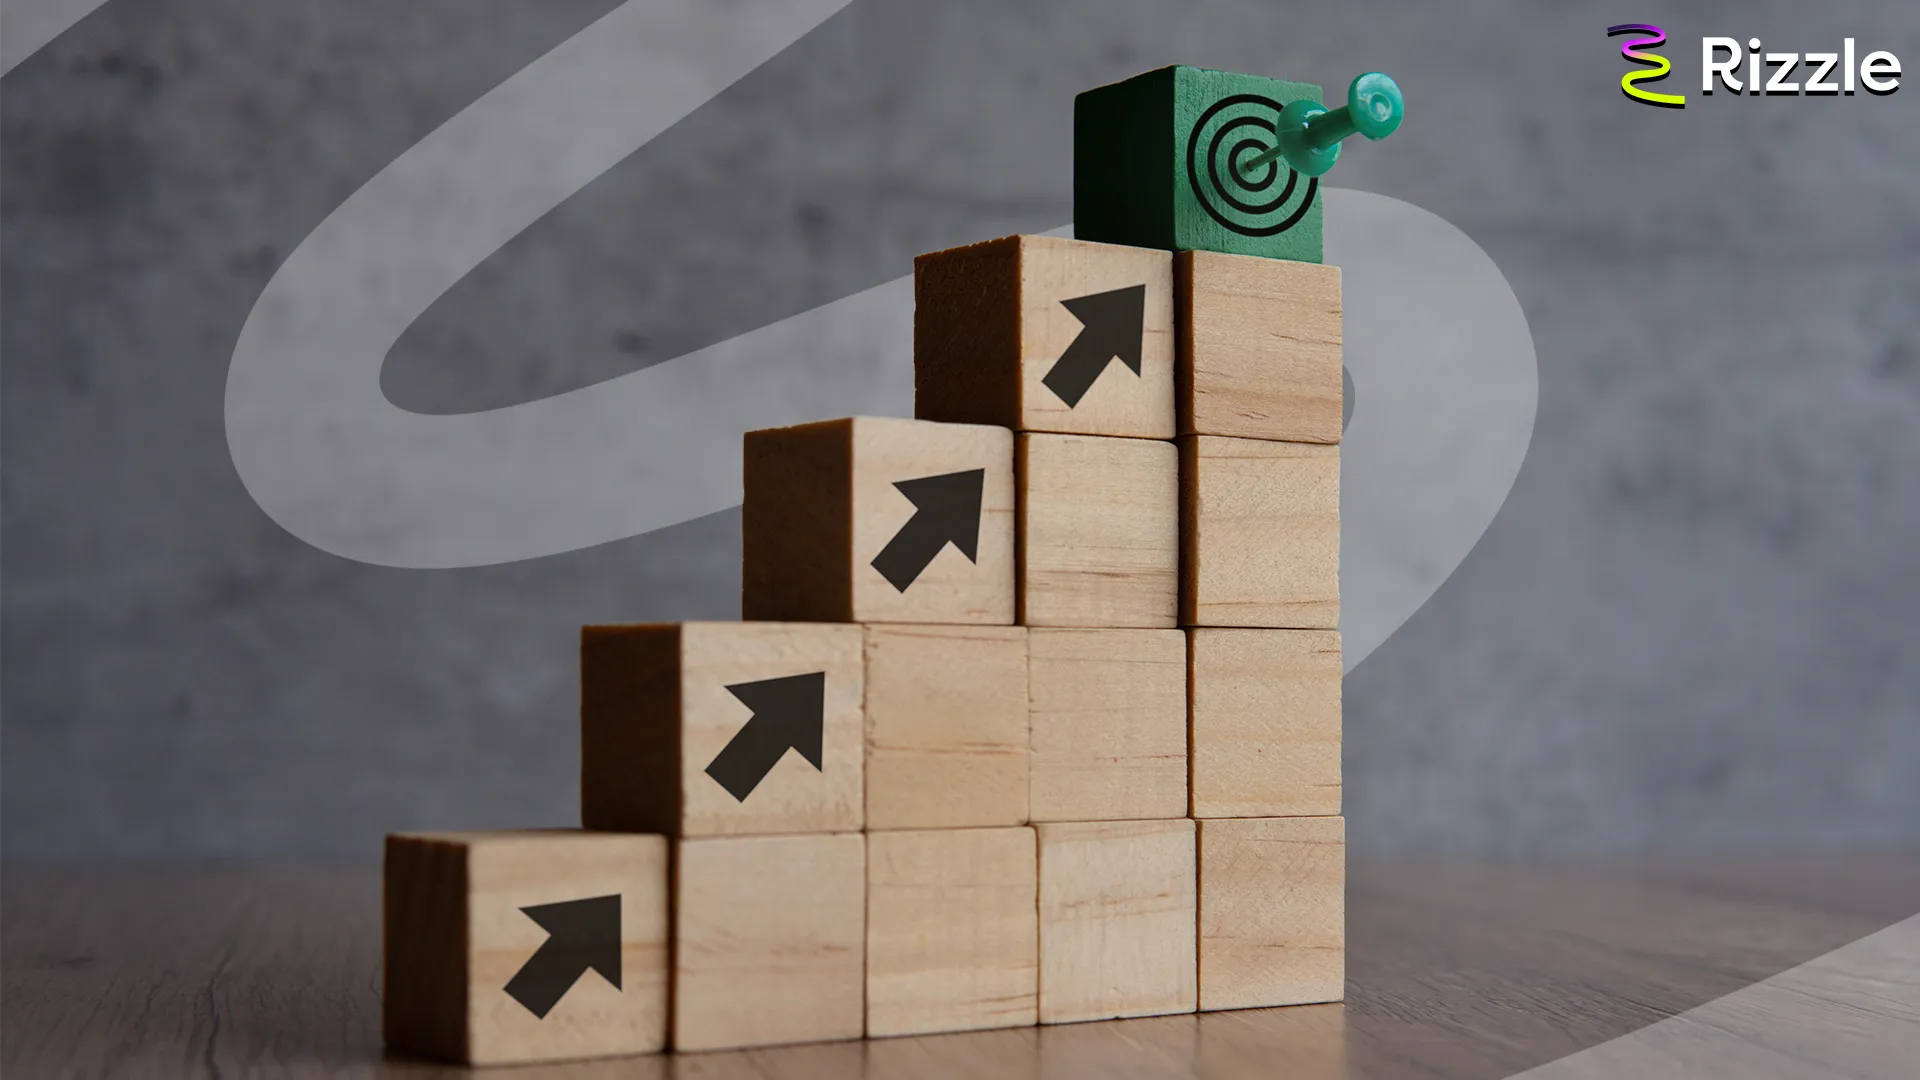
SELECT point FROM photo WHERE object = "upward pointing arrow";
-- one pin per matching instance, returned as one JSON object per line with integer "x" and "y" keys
{"x": 946, "y": 511}
{"x": 582, "y": 935}
{"x": 1112, "y": 324}
{"x": 788, "y": 713}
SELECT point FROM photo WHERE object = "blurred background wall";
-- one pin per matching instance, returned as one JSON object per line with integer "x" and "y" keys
{"x": 1691, "y": 627}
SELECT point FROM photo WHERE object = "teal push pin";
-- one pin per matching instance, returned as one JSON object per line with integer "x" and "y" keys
{"x": 1308, "y": 134}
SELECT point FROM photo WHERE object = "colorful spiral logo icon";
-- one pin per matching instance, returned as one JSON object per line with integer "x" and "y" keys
{"x": 1247, "y": 199}
{"x": 1656, "y": 67}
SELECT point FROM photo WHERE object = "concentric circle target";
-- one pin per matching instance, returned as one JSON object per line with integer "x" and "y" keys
{"x": 1263, "y": 200}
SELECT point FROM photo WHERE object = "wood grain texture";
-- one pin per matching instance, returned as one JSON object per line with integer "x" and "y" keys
{"x": 1259, "y": 347}
{"x": 796, "y": 523}
{"x": 425, "y": 967}
{"x": 952, "y": 930}
{"x": 656, "y": 711}
{"x": 989, "y": 325}
{"x": 1259, "y": 533}
{"x": 1265, "y": 723}
{"x": 821, "y": 504}
{"x": 1099, "y": 533}
{"x": 630, "y": 728}
{"x": 1117, "y": 918}
{"x": 966, "y": 334}
{"x": 946, "y": 726}
{"x": 456, "y": 934}
{"x": 1109, "y": 720}
{"x": 1272, "y": 911}
{"x": 1457, "y": 970}
{"x": 769, "y": 940}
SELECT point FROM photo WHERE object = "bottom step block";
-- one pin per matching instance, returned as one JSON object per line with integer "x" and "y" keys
{"x": 951, "y": 928}
{"x": 1117, "y": 916}
{"x": 525, "y": 946}
{"x": 769, "y": 940}
{"x": 1272, "y": 911}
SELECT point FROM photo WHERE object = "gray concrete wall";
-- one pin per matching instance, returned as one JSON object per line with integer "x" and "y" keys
{"x": 1690, "y": 627}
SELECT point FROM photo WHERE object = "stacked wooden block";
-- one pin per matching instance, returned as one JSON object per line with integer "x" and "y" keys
{"x": 1034, "y": 715}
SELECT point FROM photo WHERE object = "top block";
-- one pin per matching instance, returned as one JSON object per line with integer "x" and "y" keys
{"x": 1038, "y": 333}
{"x": 1167, "y": 160}
{"x": 879, "y": 520}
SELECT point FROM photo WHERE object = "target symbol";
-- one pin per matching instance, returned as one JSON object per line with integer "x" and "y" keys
{"x": 1233, "y": 172}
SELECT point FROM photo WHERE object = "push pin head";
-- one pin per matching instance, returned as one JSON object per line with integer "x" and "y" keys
{"x": 1308, "y": 134}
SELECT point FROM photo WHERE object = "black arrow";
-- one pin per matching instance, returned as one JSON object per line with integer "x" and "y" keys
{"x": 788, "y": 713}
{"x": 581, "y": 935}
{"x": 946, "y": 511}
{"x": 1111, "y": 324}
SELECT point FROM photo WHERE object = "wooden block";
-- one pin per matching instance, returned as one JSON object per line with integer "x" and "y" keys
{"x": 769, "y": 940}
{"x": 946, "y": 726}
{"x": 1273, "y": 911}
{"x": 710, "y": 729}
{"x": 1117, "y": 919}
{"x": 1160, "y": 161}
{"x": 525, "y": 946}
{"x": 952, "y": 934}
{"x": 1109, "y": 718}
{"x": 1099, "y": 531}
{"x": 1038, "y": 333}
{"x": 1266, "y": 723}
{"x": 1260, "y": 533}
{"x": 878, "y": 520}
{"x": 1258, "y": 348}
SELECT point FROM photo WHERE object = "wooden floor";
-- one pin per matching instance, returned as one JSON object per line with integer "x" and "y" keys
{"x": 1456, "y": 969}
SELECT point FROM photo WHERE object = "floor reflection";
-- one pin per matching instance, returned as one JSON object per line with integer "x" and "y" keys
{"x": 1303, "y": 1043}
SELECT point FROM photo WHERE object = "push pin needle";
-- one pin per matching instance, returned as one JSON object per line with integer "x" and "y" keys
{"x": 1308, "y": 133}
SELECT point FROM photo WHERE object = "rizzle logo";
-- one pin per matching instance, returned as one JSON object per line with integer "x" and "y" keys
{"x": 1657, "y": 65}
{"x": 1721, "y": 58}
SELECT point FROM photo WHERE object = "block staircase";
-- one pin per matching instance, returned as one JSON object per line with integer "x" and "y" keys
{"x": 1033, "y": 715}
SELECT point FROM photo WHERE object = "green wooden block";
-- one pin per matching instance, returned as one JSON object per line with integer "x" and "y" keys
{"x": 1160, "y": 161}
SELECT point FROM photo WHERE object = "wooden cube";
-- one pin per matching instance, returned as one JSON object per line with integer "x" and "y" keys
{"x": 525, "y": 946}
{"x": 1117, "y": 919}
{"x": 1109, "y": 719}
{"x": 1161, "y": 160}
{"x": 1260, "y": 533}
{"x": 1272, "y": 911}
{"x": 1038, "y": 333}
{"x": 946, "y": 726}
{"x": 1099, "y": 531}
{"x": 952, "y": 939}
{"x": 709, "y": 729}
{"x": 769, "y": 940}
{"x": 1258, "y": 352}
{"x": 1266, "y": 723}
{"x": 878, "y": 520}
